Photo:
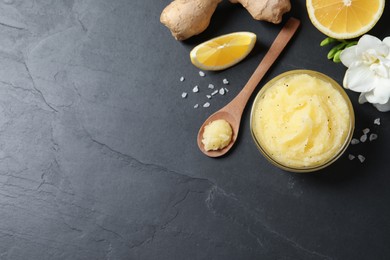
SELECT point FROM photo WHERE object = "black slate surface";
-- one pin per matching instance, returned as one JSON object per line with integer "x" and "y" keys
{"x": 98, "y": 157}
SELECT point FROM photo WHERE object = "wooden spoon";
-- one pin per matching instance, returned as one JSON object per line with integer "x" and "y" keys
{"x": 232, "y": 112}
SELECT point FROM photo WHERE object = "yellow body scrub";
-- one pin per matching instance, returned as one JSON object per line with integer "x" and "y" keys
{"x": 217, "y": 135}
{"x": 302, "y": 120}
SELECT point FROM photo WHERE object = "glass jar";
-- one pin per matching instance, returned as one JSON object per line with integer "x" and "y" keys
{"x": 302, "y": 121}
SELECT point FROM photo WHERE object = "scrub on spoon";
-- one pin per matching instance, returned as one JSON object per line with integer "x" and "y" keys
{"x": 232, "y": 112}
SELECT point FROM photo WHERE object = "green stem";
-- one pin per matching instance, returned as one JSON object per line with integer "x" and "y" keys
{"x": 327, "y": 41}
{"x": 336, "y": 49}
{"x": 334, "y": 53}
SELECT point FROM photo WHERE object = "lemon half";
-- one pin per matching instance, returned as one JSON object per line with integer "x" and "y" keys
{"x": 344, "y": 19}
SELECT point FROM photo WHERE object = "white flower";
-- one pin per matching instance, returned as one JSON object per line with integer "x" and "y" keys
{"x": 368, "y": 70}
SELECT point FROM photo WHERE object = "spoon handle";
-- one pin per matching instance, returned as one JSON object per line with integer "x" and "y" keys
{"x": 280, "y": 42}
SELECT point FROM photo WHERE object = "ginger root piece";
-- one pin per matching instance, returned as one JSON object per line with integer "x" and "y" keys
{"x": 266, "y": 10}
{"x": 186, "y": 18}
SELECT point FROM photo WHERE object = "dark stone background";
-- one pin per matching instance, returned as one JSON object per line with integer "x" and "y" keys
{"x": 98, "y": 154}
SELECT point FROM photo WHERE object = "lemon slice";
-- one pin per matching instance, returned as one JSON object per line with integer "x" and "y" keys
{"x": 344, "y": 19}
{"x": 224, "y": 51}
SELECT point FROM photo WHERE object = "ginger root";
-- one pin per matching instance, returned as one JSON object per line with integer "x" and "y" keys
{"x": 186, "y": 18}
{"x": 266, "y": 10}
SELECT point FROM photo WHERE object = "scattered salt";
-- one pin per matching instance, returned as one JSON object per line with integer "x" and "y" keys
{"x": 354, "y": 141}
{"x": 363, "y": 138}
{"x": 196, "y": 89}
{"x": 373, "y": 137}
{"x": 361, "y": 158}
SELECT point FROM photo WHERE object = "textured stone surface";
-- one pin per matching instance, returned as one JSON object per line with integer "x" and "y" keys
{"x": 98, "y": 158}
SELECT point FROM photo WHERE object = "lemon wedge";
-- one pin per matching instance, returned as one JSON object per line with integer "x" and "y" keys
{"x": 344, "y": 19}
{"x": 224, "y": 51}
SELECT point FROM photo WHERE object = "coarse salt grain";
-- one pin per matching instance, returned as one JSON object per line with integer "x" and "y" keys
{"x": 351, "y": 157}
{"x": 214, "y": 92}
{"x": 354, "y": 141}
{"x": 363, "y": 138}
{"x": 366, "y": 131}
{"x": 361, "y": 158}
{"x": 195, "y": 89}
{"x": 184, "y": 94}
{"x": 196, "y": 106}
{"x": 377, "y": 121}
{"x": 182, "y": 79}
{"x": 202, "y": 74}
{"x": 207, "y": 104}
{"x": 225, "y": 81}
{"x": 373, "y": 137}
{"x": 226, "y": 90}
{"x": 208, "y": 96}
{"x": 222, "y": 91}
{"x": 211, "y": 86}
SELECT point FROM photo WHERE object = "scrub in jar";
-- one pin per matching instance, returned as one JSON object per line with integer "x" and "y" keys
{"x": 302, "y": 119}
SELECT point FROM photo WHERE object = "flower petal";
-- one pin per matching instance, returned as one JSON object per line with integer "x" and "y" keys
{"x": 362, "y": 98}
{"x": 381, "y": 93}
{"x": 383, "y": 107}
{"x": 367, "y": 42}
{"x": 380, "y": 70}
{"x": 387, "y": 41}
{"x": 359, "y": 78}
{"x": 348, "y": 56}
{"x": 385, "y": 61}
